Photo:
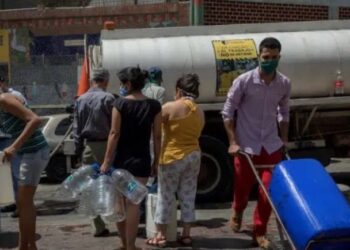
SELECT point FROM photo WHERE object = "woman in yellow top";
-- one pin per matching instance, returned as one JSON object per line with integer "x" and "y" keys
{"x": 179, "y": 166}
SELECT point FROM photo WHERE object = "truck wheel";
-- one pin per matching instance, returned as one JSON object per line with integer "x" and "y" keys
{"x": 215, "y": 177}
{"x": 56, "y": 170}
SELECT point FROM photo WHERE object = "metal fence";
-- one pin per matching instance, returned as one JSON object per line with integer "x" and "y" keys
{"x": 11, "y": 4}
{"x": 48, "y": 82}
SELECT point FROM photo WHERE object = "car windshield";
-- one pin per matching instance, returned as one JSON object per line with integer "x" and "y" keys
{"x": 44, "y": 121}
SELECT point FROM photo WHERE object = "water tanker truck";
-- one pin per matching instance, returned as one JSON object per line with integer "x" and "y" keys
{"x": 315, "y": 56}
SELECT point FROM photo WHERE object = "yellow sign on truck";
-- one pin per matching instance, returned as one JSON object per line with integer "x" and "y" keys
{"x": 233, "y": 57}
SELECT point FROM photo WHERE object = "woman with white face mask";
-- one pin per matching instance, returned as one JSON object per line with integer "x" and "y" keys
{"x": 134, "y": 117}
{"x": 183, "y": 121}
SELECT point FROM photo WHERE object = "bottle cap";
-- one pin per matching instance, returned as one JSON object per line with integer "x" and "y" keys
{"x": 95, "y": 166}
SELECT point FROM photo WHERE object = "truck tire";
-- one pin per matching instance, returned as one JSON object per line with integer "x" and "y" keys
{"x": 56, "y": 170}
{"x": 216, "y": 176}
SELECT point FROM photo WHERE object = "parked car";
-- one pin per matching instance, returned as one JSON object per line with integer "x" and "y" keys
{"x": 54, "y": 128}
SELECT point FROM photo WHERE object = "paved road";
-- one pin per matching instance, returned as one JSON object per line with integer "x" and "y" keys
{"x": 61, "y": 227}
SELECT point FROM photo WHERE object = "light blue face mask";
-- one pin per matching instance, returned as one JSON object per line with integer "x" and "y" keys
{"x": 123, "y": 91}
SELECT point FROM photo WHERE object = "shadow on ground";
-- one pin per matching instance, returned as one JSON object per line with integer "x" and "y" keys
{"x": 53, "y": 207}
{"x": 211, "y": 223}
{"x": 9, "y": 240}
{"x": 341, "y": 177}
{"x": 47, "y": 181}
{"x": 221, "y": 243}
{"x": 207, "y": 206}
{"x": 207, "y": 243}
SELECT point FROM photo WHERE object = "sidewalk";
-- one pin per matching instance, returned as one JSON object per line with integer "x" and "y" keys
{"x": 72, "y": 231}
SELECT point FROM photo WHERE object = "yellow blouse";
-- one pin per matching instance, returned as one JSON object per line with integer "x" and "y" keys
{"x": 181, "y": 135}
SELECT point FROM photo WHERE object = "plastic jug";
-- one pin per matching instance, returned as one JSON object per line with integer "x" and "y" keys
{"x": 74, "y": 184}
{"x": 171, "y": 233}
{"x": 6, "y": 189}
{"x": 103, "y": 195}
{"x": 131, "y": 188}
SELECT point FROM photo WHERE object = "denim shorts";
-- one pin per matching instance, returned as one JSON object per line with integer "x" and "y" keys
{"x": 31, "y": 167}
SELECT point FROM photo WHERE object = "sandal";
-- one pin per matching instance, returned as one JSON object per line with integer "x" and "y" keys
{"x": 157, "y": 242}
{"x": 185, "y": 240}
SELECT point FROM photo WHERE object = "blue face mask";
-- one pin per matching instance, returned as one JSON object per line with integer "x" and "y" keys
{"x": 123, "y": 91}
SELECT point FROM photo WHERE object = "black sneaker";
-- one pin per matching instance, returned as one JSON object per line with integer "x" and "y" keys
{"x": 104, "y": 233}
{"x": 8, "y": 208}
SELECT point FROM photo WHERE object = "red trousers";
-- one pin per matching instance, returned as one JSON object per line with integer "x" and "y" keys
{"x": 244, "y": 182}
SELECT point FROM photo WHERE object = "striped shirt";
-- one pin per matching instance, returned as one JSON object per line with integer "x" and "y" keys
{"x": 24, "y": 101}
{"x": 14, "y": 126}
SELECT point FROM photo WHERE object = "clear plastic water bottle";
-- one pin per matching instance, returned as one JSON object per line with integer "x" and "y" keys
{"x": 119, "y": 214}
{"x": 103, "y": 195}
{"x": 131, "y": 188}
{"x": 86, "y": 203}
{"x": 74, "y": 184}
{"x": 119, "y": 207}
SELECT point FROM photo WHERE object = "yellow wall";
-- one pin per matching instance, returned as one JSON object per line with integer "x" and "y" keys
{"x": 4, "y": 46}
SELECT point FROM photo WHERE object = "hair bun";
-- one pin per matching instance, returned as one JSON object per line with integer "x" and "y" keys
{"x": 189, "y": 84}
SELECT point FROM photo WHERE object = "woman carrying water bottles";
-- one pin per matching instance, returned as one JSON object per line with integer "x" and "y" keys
{"x": 31, "y": 147}
{"x": 183, "y": 121}
{"x": 134, "y": 117}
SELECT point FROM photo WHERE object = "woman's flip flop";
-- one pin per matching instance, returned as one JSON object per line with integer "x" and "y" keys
{"x": 157, "y": 242}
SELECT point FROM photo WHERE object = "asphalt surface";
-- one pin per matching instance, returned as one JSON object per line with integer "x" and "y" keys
{"x": 59, "y": 226}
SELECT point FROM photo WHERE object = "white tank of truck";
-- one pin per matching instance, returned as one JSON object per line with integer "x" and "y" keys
{"x": 310, "y": 58}
{"x": 314, "y": 56}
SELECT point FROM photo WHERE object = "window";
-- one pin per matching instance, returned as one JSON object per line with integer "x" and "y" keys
{"x": 63, "y": 126}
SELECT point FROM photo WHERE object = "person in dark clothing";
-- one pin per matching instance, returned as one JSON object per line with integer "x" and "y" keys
{"x": 92, "y": 121}
{"x": 134, "y": 118}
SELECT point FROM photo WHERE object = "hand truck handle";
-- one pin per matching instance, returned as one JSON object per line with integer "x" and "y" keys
{"x": 251, "y": 164}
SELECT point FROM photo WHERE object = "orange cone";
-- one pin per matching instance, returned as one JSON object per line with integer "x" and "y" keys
{"x": 84, "y": 83}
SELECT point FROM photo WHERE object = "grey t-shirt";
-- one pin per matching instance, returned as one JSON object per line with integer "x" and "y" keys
{"x": 92, "y": 116}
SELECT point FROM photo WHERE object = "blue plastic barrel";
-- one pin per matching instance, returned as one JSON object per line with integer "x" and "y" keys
{"x": 310, "y": 205}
